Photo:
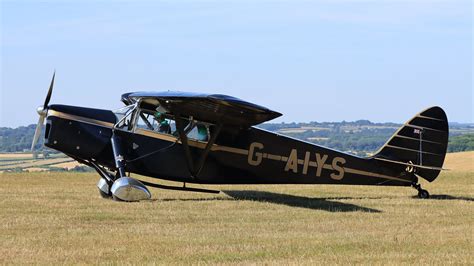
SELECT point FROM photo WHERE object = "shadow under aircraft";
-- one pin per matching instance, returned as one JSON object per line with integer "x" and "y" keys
{"x": 324, "y": 204}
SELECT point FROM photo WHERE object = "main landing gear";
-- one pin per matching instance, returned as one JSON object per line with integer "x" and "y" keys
{"x": 422, "y": 193}
{"x": 119, "y": 186}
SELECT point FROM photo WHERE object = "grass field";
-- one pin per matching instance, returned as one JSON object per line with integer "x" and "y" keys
{"x": 26, "y": 162}
{"x": 52, "y": 218}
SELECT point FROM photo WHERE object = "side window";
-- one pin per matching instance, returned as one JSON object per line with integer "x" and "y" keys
{"x": 165, "y": 124}
{"x": 155, "y": 121}
{"x": 199, "y": 132}
{"x": 146, "y": 121}
{"x": 125, "y": 123}
{"x": 125, "y": 117}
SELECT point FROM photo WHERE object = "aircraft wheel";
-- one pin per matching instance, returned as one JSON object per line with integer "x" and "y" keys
{"x": 104, "y": 190}
{"x": 423, "y": 194}
{"x": 104, "y": 195}
{"x": 115, "y": 198}
{"x": 130, "y": 190}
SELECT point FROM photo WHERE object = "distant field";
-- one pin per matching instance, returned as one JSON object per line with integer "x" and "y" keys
{"x": 59, "y": 218}
{"x": 463, "y": 161}
{"x": 460, "y": 161}
{"x": 36, "y": 164}
{"x": 26, "y": 162}
{"x": 16, "y": 155}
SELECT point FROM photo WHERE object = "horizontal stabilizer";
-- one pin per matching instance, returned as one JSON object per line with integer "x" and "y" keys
{"x": 413, "y": 165}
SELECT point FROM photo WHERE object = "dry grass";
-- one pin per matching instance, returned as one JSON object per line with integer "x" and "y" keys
{"x": 59, "y": 218}
{"x": 16, "y": 155}
{"x": 460, "y": 161}
{"x": 35, "y": 169}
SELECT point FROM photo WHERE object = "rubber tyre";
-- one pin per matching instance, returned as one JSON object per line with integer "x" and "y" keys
{"x": 104, "y": 195}
{"x": 423, "y": 194}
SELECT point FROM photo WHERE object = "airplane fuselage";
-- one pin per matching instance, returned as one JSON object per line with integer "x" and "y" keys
{"x": 252, "y": 156}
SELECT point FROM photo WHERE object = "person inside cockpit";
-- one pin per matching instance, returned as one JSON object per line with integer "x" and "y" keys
{"x": 202, "y": 132}
{"x": 163, "y": 124}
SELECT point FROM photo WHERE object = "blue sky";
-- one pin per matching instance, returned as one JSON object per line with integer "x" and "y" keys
{"x": 310, "y": 60}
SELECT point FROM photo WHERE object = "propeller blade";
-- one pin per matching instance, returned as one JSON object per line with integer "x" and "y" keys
{"x": 50, "y": 91}
{"x": 37, "y": 132}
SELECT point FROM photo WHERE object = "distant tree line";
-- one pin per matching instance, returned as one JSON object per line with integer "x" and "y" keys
{"x": 361, "y": 137}
{"x": 461, "y": 143}
{"x": 17, "y": 139}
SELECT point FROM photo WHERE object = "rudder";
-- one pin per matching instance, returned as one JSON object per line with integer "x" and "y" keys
{"x": 421, "y": 144}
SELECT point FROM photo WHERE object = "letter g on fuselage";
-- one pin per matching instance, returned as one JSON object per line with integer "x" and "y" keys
{"x": 255, "y": 158}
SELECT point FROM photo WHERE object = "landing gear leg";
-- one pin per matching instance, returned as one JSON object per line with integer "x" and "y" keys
{"x": 125, "y": 188}
{"x": 422, "y": 193}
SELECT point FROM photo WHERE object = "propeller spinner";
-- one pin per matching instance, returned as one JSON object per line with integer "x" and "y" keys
{"x": 43, "y": 112}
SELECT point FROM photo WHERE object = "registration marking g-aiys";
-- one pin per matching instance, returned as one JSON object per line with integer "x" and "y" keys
{"x": 255, "y": 158}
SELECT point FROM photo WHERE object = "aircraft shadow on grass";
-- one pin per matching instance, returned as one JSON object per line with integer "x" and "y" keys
{"x": 330, "y": 204}
{"x": 448, "y": 197}
{"x": 325, "y": 204}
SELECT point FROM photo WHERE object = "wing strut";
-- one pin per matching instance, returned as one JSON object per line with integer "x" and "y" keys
{"x": 184, "y": 140}
{"x": 195, "y": 169}
{"x": 206, "y": 151}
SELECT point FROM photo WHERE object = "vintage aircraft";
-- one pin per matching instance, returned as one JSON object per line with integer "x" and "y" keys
{"x": 211, "y": 139}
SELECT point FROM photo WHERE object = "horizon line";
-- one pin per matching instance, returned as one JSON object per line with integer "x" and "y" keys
{"x": 285, "y": 122}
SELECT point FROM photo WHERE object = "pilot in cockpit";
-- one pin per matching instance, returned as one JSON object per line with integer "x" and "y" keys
{"x": 163, "y": 124}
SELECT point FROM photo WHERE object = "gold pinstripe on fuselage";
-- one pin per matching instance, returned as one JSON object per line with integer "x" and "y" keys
{"x": 215, "y": 147}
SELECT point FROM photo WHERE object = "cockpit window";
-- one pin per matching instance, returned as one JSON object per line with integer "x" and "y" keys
{"x": 155, "y": 121}
{"x": 124, "y": 116}
{"x": 123, "y": 111}
{"x": 199, "y": 132}
{"x": 146, "y": 121}
{"x": 165, "y": 124}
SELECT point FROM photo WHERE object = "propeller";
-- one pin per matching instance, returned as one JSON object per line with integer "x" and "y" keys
{"x": 43, "y": 112}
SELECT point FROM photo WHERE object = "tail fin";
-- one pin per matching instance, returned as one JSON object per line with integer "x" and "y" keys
{"x": 420, "y": 144}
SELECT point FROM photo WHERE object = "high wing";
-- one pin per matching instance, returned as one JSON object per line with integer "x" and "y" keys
{"x": 210, "y": 108}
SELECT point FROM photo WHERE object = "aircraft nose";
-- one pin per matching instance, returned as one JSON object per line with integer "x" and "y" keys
{"x": 41, "y": 110}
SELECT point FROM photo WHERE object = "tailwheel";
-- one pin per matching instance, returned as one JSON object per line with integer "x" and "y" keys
{"x": 423, "y": 194}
